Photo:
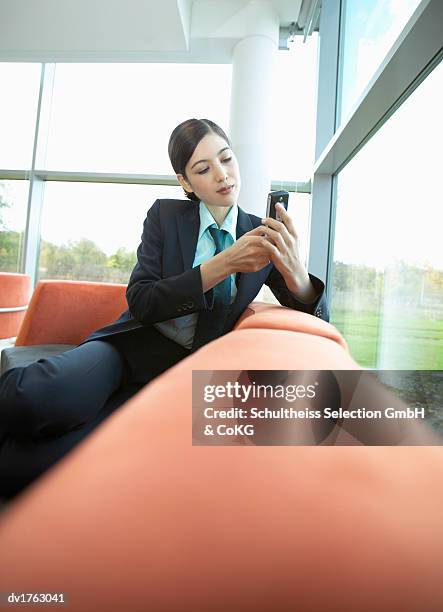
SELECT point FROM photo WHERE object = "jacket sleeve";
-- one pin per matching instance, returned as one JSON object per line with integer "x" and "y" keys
{"x": 150, "y": 297}
{"x": 318, "y": 307}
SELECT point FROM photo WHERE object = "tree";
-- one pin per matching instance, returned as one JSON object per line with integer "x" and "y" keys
{"x": 77, "y": 260}
{"x": 3, "y": 204}
{"x": 9, "y": 241}
{"x": 123, "y": 260}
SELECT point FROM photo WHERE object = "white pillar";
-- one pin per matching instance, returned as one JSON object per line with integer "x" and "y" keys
{"x": 253, "y": 86}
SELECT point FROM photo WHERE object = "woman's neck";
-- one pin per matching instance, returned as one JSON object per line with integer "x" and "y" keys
{"x": 219, "y": 213}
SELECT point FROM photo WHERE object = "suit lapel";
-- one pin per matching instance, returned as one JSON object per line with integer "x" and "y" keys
{"x": 188, "y": 226}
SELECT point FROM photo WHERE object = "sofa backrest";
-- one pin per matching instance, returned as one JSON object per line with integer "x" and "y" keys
{"x": 66, "y": 312}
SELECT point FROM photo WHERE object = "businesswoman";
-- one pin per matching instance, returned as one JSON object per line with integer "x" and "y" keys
{"x": 200, "y": 263}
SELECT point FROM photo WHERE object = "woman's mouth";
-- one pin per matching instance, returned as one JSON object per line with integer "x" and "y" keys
{"x": 225, "y": 190}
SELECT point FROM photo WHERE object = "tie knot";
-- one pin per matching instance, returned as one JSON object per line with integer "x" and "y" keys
{"x": 218, "y": 235}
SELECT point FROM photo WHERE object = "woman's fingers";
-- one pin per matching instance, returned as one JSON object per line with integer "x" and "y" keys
{"x": 252, "y": 254}
{"x": 286, "y": 220}
{"x": 276, "y": 239}
{"x": 257, "y": 231}
{"x": 285, "y": 227}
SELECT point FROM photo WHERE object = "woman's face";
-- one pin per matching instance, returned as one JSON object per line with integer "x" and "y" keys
{"x": 212, "y": 172}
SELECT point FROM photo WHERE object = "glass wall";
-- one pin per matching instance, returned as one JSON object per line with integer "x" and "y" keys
{"x": 18, "y": 107}
{"x": 88, "y": 233}
{"x": 387, "y": 295}
{"x": 13, "y": 206}
{"x": 368, "y": 29}
{"x": 118, "y": 117}
{"x": 92, "y": 231}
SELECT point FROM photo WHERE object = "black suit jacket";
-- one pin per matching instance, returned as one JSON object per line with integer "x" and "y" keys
{"x": 164, "y": 285}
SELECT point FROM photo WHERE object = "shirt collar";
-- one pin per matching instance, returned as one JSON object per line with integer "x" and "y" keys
{"x": 229, "y": 224}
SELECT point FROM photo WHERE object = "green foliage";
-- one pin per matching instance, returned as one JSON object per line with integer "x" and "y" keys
{"x": 3, "y": 204}
{"x": 355, "y": 277}
{"x": 10, "y": 242}
{"x": 84, "y": 260}
{"x": 400, "y": 309}
{"x": 9, "y": 250}
{"x": 123, "y": 260}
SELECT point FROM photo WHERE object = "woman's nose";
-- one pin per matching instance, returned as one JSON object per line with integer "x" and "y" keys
{"x": 220, "y": 173}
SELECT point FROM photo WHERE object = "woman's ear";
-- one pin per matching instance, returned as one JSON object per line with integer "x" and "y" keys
{"x": 184, "y": 183}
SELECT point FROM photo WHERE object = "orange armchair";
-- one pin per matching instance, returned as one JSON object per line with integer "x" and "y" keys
{"x": 60, "y": 315}
{"x": 66, "y": 312}
{"x": 15, "y": 290}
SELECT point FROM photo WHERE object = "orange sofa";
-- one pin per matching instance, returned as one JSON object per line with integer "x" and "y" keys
{"x": 138, "y": 518}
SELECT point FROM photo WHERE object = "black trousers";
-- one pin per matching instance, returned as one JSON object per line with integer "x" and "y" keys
{"x": 48, "y": 407}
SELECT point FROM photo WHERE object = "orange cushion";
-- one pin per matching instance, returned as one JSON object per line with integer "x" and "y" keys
{"x": 137, "y": 518}
{"x": 66, "y": 312}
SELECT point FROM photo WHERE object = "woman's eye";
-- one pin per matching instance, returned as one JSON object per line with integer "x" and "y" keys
{"x": 227, "y": 159}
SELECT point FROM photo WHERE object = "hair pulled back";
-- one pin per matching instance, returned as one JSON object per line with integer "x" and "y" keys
{"x": 183, "y": 141}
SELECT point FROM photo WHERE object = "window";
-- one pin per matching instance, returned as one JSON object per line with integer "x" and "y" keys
{"x": 18, "y": 107}
{"x": 369, "y": 28}
{"x": 13, "y": 204}
{"x": 387, "y": 295}
{"x": 118, "y": 117}
{"x": 92, "y": 231}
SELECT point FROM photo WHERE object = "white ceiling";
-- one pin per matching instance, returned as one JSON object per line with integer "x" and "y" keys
{"x": 135, "y": 30}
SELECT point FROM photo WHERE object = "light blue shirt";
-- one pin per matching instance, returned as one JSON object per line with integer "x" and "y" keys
{"x": 182, "y": 329}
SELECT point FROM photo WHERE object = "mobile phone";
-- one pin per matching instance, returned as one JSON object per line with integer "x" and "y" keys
{"x": 276, "y": 196}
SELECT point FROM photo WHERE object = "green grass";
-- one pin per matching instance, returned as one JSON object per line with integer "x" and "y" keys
{"x": 407, "y": 342}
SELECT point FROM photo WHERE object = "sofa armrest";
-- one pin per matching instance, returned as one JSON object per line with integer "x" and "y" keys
{"x": 15, "y": 291}
{"x": 260, "y": 315}
{"x": 66, "y": 312}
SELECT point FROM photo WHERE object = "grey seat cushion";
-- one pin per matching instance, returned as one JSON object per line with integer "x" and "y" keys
{"x": 17, "y": 356}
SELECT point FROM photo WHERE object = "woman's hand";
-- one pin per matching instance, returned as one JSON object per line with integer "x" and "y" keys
{"x": 282, "y": 245}
{"x": 249, "y": 253}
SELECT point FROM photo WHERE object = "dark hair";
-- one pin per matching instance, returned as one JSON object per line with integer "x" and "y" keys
{"x": 183, "y": 141}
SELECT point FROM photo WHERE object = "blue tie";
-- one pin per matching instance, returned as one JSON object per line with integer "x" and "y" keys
{"x": 222, "y": 291}
{"x": 211, "y": 323}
